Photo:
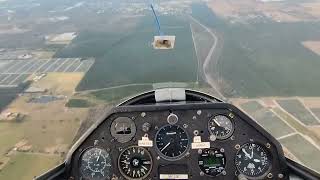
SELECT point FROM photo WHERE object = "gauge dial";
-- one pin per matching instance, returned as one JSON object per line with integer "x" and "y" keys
{"x": 95, "y": 164}
{"x": 221, "y": 126}
{"x": 172, "y": 142}
{"x": 212, "y": 161}
{"x": 123, "y": 129}
{"x": 252, "y": 160}
{"x": 135, "y": 163}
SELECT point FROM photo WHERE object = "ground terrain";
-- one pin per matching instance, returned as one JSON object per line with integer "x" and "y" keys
{"x": 261, "y": 56}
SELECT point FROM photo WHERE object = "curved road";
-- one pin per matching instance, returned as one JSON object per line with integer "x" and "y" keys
{"x": 206, "y": 67}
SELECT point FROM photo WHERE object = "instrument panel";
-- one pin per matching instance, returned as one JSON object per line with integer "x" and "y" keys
{"x": 187, "y": 141}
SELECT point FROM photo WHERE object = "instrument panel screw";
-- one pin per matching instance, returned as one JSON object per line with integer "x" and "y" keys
{"x": 231, "y": 115}
{"x": 108, "y": 149}
{"x": 158, "y": 157}
{"x": 196, "y": 132}
{"x": 201, "y": 173}
{"x": 143, "y": 114}
{"x": 269, "y": 175}
{"x": 199, "y": 112}
{"x": 280, "y": 176}
{"x": 237, "y": 146}
{"x": 120, "y": 149}
{"x": 172, "y": 119}
{"x": 133, "y": 118}
{"x": 232, "y": 138}
{"x": 194, "y": 117}
{"x": 212, "y": 137}
{"x": 185, "y": 126}
{"x": 156, "y": 127}
{"x": 268, "y": 145}
{"x": 222, "y": 150}
{"x": 199, "y": 151}
{"x": 224, "y": 173}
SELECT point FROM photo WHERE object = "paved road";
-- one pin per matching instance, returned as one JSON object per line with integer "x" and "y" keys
{"x": 206, "y": 68}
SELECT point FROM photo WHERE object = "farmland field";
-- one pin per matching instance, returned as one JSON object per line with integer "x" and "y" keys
{"x": 303, "y": 150}
{"x": 251, "y": 106}
{"x": 296, "y": 108}
{"x": 25, "y": 166}
{"x": 253, "y": 69}
{"x": 78, "y": 103}
{"x": 272, "y": 123}
{"x": 128, "y": 58}
{"x": 116, "y": 94}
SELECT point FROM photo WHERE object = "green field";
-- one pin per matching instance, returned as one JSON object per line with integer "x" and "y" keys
{"x": 129, "y": 58}
{"x": 79, "y": 103}
{"x": 296, "y": 125}
{"x": 297, "y": 109}
{"x": 10, "y": 134}
{"x": 307, "y": 153}
{"x": 272, "y": 123}
{"x": 115, "y": 94}
{"x": 265, "y": 59}
{"x": 25, "y": 166}
{"x": 60, "y": 132}
{"x": 251, "y": 106}
{"x": 203, "y": 42}
{"x": 267, "y": 119}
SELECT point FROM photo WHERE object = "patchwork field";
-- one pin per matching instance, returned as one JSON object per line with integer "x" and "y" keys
{"x": 301, "y": 142}
{"x": 14, "y": 72}
{"x": 47, "y": 130}
{"x": 25, "y": 166}
{"x": 128, "y": 57}
{"x": 267, "y": 119}
{"x": 251, "y": 106}
{"x": 306, "y": 152}
{"x": 250, "y": 68}
{"x": 296, "y": 108}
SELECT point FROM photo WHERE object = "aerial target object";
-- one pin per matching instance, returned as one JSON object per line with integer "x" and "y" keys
{"x": 162, "y": 41}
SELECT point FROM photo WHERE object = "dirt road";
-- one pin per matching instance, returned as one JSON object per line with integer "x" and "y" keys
{"x": 206, "y": 67}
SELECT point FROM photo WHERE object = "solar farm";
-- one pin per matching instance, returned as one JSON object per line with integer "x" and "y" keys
{"x": 14, "y": 72}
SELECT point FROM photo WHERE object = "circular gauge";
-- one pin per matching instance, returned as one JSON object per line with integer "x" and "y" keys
{"x": 135, "y": 163}
{"x": 95, "y": 164}
{"x": 212, "y": 161}
{"x": 172, "y": 142}
{"x": 221, "y": 126}
{"x": 123, "y": 129}
{"x": 252, "y": 160}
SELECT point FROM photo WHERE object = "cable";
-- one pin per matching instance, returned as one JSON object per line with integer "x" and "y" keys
{"x": 157, "y": 20}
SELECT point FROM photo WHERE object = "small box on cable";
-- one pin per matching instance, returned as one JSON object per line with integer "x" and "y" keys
{"x": 164, "y": 42}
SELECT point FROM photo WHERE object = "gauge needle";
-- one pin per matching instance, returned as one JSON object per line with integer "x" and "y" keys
{"x": 165, "y": 146}
{"x": 256, "y": 160}
{"x": 247, "y": 154}
{"x": 251, "y": 154}
{"x": 99, "y": 155}
{"x": 217, "y": 123}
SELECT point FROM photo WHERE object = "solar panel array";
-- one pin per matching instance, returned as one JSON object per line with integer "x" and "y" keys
{"x": 13, "y": 72}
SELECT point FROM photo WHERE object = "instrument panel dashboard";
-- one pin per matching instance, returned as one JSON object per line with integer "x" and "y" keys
{"x": 177, "y": 141}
